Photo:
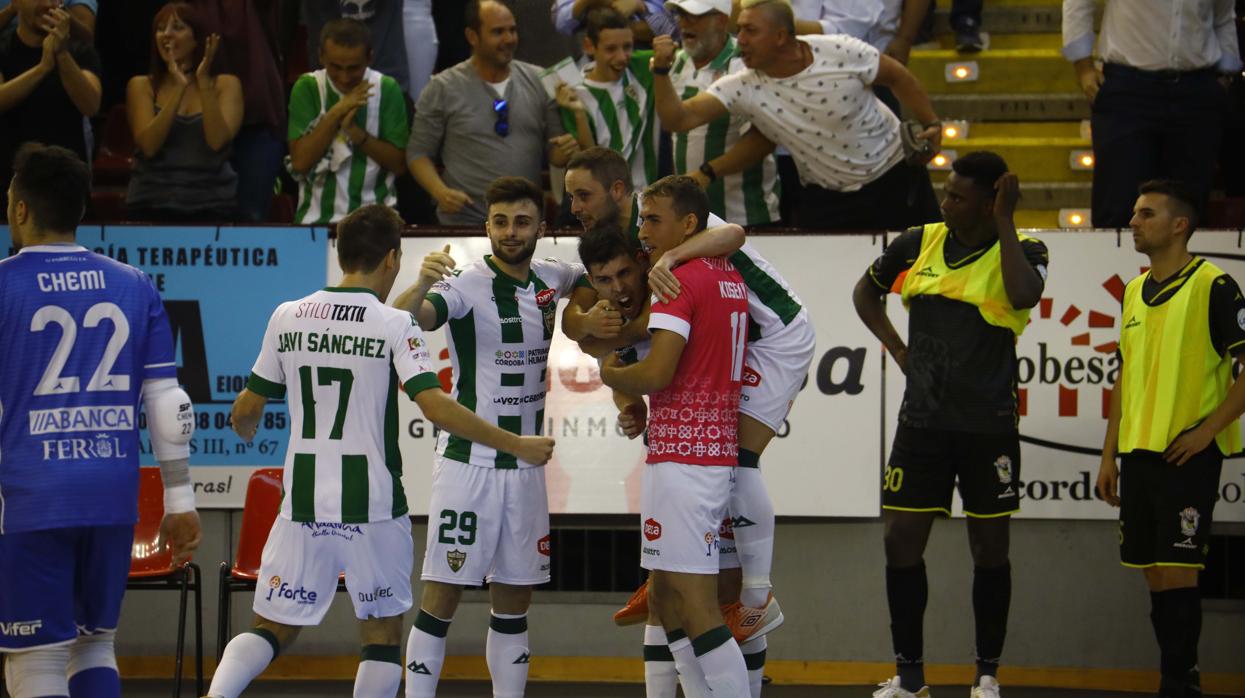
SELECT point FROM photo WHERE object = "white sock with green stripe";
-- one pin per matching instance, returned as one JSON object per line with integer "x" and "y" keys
{"x": 754, "y": 659}
{"x": 380, "y": 671}
{"x": 507, "y": 654}
{"x": 246, "y": 656}
{"x": 425, "y": 653}
{"x": 691, "y": 676}
{"x": 722, "y": 662}
{"x": 661, "y": 680}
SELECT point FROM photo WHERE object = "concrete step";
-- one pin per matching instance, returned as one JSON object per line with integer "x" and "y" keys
{"x": 1023, "y": 71}
{"x": 999, "y": 41}
{"x": 1031, "y": 19}
{"x": 1027, "y": 218}
{"x": 1033, "y": 159}
{"x": 1012, "y": 129}
{"x": 1071, "y": 106}
{"x": 1045, "y": 196}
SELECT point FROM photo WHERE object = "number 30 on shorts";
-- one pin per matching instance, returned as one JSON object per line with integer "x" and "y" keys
{"x": 457, "y": 527}
{"x": 892, "y": 479}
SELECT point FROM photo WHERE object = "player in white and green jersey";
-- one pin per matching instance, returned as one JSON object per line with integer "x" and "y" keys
{"x": 347, "y": 129}
{"x": 615, "y": 100}
{"x": 709, "y": 52}
{"x": 489, "y": 510}
{"x": 339, "y": 355}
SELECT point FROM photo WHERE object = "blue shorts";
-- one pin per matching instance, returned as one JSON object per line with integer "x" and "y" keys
{"x": 60, "y": 583}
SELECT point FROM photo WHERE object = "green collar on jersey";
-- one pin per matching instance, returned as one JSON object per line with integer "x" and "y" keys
{"x": 350, "y": 289}
{"x": 531, "y": 275}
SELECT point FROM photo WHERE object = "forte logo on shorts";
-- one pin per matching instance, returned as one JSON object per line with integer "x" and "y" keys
{"x": 20, "y": 628}
{"x": 711, "y": 542}
{"x": 652, "y": 529}
{"x": 544, "y": 546}
{"x": 282, "y": 590}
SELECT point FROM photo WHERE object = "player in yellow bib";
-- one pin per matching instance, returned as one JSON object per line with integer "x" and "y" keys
{"x": 1173, "y": 418}
{"x": 968, "y": 285}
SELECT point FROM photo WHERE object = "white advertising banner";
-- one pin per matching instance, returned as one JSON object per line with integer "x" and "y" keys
{"x": 1068, "y": 366}
{"x": 826, "y": 463}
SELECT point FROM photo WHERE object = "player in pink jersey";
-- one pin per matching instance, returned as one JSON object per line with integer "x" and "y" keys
{"x": 693, "y": 374}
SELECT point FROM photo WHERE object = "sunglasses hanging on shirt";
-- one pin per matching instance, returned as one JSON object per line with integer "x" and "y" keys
{"x": 501, "y": 110}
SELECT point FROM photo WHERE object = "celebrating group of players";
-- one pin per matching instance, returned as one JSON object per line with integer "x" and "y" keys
{"x": 676, "y": 306}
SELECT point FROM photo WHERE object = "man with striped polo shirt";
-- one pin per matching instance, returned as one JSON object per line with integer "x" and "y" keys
{"x": 709, "y": 52}
{"x": 342, "y": 354}
{"x": 489, "y": 511}
{"x": 614, "y": 107}
{"x": 348, "y": 129}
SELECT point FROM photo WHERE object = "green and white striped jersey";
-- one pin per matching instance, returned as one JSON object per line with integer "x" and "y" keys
{"x": 341, "y": 353}
{"x": 499, "y": 334}
{"x": 345, "y": 178}
{"x": 749, "y": 197}
{"x": 772, "y": 304}
{"x": 623, "y": 117}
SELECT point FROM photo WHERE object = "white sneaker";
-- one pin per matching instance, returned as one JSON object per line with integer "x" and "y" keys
{"x": 891, "y": 689}
{"x": 987, "y": 688}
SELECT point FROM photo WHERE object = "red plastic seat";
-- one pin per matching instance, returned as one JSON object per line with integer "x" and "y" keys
{"x": 151, "y": 568}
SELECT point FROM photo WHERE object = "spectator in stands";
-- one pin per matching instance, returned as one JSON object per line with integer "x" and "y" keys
{"x": 348, "y": 128}
{"x": 1158, "y": 105}
{"x": 249, "y": 41}
{"x": 184, "y": 120}
{"x": 484, "y": 118}
{"x": 812, "y": 95}
{"x": 81, "y": 18}
{"x": 966, "y": 23}
{"x": 383, "y": 19}
{"x": 745, "y": 193}
{"x": 648, "y": 18}
{"x": 613, "y": 106}
{"x": 48, "y": 82}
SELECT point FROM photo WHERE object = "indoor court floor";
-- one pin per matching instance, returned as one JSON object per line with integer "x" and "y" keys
{"x": 465, "y": 689}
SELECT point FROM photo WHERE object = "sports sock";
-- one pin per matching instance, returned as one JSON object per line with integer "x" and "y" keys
{"x": 380, "y": 671}
{"x": 691, "y": 675}
{"x": 722, "y": 662}
{"x": 92, "y": 667}
{"x": 752, "y": 512}
{"x": 507, "y": 654}
{"x": 907, "y": 591}
{"x": 246, "y": 656}
{"x": 992, "y": 597}
{"x": 754, "y": 659}
{"x": 1182, "y": 628}
{"x": 661, "y": 680}
{"x": 425, "y": 653}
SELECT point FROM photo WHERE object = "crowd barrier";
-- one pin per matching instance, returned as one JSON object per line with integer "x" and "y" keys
{"x": 220, "y": 285}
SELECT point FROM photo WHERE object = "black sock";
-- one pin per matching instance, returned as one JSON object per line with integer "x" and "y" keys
{"x": 992, "y": 597}
{"x": 907, "y": 591}
{"x": 1181, "y": 611}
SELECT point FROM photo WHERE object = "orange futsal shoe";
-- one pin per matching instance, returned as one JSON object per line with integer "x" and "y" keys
{"x": 636, "y": 610}
{"x": 748, "y": 623}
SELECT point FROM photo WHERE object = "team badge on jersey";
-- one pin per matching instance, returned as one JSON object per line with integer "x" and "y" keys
{"x": 456, "y": 559}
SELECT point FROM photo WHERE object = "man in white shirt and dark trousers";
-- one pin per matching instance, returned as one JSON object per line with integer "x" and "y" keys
{"x": 1158, "y": 102}
{"x": 812, "y": 95}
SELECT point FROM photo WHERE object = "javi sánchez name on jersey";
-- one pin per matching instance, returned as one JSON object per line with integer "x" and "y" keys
{"x": 328, "y": 343}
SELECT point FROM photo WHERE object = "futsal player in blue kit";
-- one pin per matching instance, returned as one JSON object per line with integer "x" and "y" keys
{"x": 82, "y": 338}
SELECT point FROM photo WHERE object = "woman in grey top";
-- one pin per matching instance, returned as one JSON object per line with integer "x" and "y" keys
{"x": 183, "y": 124}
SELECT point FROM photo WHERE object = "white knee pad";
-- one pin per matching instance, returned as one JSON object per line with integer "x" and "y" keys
{"x": 92, "y": 652}
{"x": 753, "y": 514}
{"x": 37, "y": 672}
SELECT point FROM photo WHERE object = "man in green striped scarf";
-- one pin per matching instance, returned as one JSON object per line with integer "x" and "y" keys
{"x": 614, "y": 106}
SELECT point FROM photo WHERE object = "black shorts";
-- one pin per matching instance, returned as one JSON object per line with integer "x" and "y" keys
{"x": 1165, "y": 510}
{"x": 927, "y": 464}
